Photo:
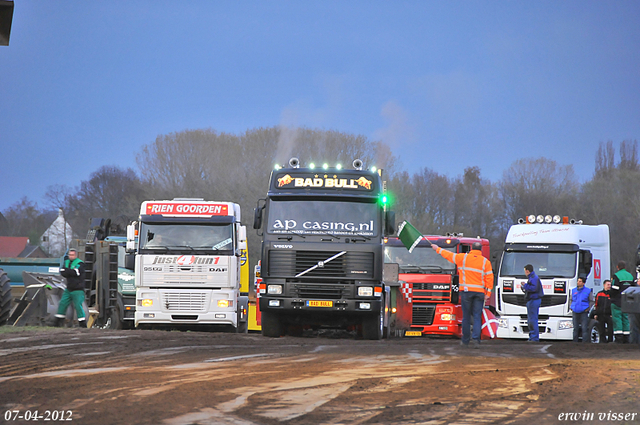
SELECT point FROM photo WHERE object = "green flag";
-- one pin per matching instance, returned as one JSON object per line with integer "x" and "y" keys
{"x": 409, "y": 235}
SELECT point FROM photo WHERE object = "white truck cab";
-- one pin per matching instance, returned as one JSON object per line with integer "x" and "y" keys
{"x": 187, "y": 265}
{"x": 560, "y": 250}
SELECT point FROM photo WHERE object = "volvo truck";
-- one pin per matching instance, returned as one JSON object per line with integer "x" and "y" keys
{"x": 322, "y": 250}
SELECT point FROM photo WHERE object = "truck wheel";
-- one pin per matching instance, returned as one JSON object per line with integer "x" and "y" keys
{"x": 241, "y": 327}
{"x": 594, "y": 332}
{"x": 5, "y": 298}
{"x": 272, "y": 325}
{"x": 113, "y": 320}
{"x": 372, "y": 326}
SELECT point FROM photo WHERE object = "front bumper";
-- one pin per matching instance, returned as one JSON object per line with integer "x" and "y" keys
{"x": 551, "y": 328}
{"x": 302, "y": 305}
{"x": 150, "y": 317}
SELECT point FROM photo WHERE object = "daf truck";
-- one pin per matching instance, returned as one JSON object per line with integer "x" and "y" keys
{"x": 433, "y": 307}
{"x": 188, "y": 257}
{"x": 560, "y": 250}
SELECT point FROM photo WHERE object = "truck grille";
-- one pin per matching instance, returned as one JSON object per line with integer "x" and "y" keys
{"x": 354, "y": 265}
{"x": 423, "y": 315}
{"x": 430, "y": 292}
{"x": 323, "y": 292}
{"x": 185, "y": 301}
{"x": 547, "y": 300}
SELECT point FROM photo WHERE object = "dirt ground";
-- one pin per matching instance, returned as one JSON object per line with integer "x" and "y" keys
{"x": 156, "y": 377}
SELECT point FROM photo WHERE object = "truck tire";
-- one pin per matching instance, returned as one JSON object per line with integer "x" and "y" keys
{"x": 6, "y": 298}
{"x": 272, "y": 325}
{"x": 372, "y": 327}
{"x": 594, "y": 332}
{"x": 241, "y": 327}
{"x": 114, "y": 319}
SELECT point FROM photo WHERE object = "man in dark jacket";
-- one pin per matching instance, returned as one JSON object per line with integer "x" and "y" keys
{"x": 581, "y": 302}
{"x": 621, "y": 281}
{"x": 603, "y": 312}
{"x": 533, "y": 294}
{"x": 73, "y": 271}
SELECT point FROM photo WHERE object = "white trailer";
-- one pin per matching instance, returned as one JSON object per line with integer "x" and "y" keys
{"x": 187, "y": 264}
{"x": 560, "y": 250}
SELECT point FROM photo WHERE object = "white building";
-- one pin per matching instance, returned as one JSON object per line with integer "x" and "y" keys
{"x": 56, "y": 239}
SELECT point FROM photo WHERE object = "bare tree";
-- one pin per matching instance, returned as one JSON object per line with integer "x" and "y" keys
{"x": 25, "y": 218}
{"x": 227, "y": 167}
{"x": 613, "y": 198}
{"x": 111, "y": 192}
{"x": 57, "y": 197}
{"x": 538, "y": 186}
{"x": 629, "y": 155}
{"x": 605, "y": 158}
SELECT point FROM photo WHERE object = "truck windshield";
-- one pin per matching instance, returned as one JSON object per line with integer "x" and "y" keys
{"x": 186, "y": 236}
{"x": 421, "y": 260}
{"x": 545, "y": 264}
{"x": 316, "y": 217}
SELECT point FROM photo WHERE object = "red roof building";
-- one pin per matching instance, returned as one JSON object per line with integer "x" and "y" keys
{"x": 18, "y": 247}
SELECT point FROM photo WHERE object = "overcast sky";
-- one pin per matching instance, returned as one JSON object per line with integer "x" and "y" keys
{"x": 446, "y": 84}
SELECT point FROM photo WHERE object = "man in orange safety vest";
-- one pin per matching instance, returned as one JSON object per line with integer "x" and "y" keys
{"x": 476, "y": 283}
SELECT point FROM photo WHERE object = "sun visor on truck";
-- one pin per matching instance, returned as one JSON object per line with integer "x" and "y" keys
{"x": 221, "y": 219}
{"x": 537, "y": 247}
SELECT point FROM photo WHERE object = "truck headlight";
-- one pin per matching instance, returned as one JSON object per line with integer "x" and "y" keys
{"x": 146, "y": 302}
{"x": 365, "y": 291}
{"x": 503, "y": 323}
{"x": 565, "y": 324}
{"x": 447, "y": 316}
{"x": 274, "y": 289}
{"x": 365, "y": 306}
{"x": 223, "y": 303}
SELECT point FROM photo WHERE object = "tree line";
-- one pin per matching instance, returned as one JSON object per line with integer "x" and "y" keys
{"x": 235, "y": 167}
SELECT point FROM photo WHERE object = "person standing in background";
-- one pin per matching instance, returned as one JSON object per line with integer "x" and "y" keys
{"x": 621, "y": 281}
{"x": 603, "y": 312}
{"x": 73, "y": 271}
{"x": 581, "y": 301}
{"x": 533, "y": 293}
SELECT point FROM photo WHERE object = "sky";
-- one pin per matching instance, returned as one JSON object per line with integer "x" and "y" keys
{"x": 446, "y": 84}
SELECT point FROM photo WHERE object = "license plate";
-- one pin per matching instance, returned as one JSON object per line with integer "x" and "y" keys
{"x": 319, "y": 303}
{"x": 413, "y": 333}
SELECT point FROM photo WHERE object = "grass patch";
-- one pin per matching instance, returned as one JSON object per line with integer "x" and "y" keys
{"x": 18, "y": 329}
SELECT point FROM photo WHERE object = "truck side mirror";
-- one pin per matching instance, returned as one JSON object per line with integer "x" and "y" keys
{"x": 131, "y": 236}
{"x": 257, "y": 215}
{"x": 389, "y": 223}
{"x": 130, "y": 262}
{"x": 242, "y": 237}
{"x": 585, "y": 262}
{"x": 638, "y": 258}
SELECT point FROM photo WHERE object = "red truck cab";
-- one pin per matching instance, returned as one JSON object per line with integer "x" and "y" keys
{"x": 430, "y": 284}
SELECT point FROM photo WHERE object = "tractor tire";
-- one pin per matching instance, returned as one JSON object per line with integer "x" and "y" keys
{"x": 373, "y": 326}
{"x": 272, "y": 325}
{"x": 6, "y": 299}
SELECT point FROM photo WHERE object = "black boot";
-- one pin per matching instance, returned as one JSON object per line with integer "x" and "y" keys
{"x": 82, "y": 323}
{"x": 619, "y": 339}
{"x": 59, "y": 322}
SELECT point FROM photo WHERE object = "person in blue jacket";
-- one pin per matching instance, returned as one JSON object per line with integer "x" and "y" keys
{"x": 533, "y": 294}
{"x": 581, "y": 302}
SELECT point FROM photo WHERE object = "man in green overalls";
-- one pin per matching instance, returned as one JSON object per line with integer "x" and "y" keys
{"x": 620, "y": 282}
{"x": 73, "y": 271}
